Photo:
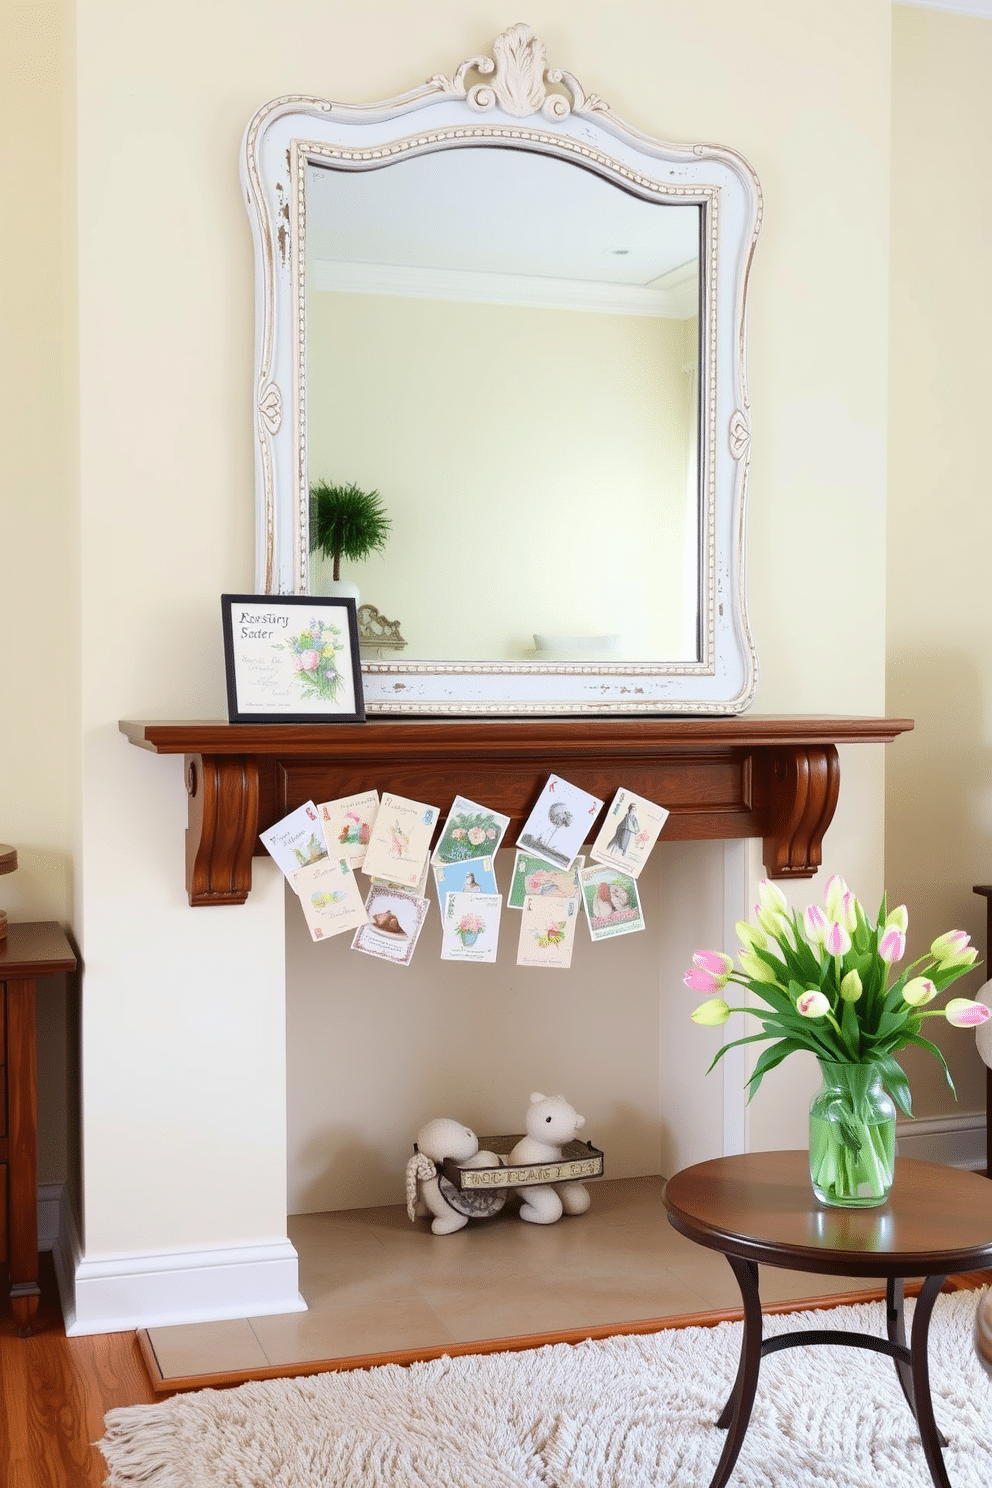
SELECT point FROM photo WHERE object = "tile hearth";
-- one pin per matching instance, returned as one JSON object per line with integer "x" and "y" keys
{"x": 378, "y": 1286}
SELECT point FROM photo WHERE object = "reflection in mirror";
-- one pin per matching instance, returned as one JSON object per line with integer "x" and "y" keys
{"x": 507, "y": 349}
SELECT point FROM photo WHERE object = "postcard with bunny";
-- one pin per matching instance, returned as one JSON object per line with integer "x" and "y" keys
{"x": 400, "y": 843}
{"x": 296, "y": 840}
{"x": 534, "y": 876}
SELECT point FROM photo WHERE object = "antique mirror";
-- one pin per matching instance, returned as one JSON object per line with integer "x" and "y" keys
{"x": 520, "y": 321}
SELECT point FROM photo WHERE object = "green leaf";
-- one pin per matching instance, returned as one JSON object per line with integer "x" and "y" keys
{"x": 769, "y": 1059}
{"x": 895, "y": 1082}
{"x": 751, "y": 1038}
{"x": 922, "y": 1043}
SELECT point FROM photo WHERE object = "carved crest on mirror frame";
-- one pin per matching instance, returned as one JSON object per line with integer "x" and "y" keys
{"x": 519, "y": 65}
{"x": 520, "y": 105}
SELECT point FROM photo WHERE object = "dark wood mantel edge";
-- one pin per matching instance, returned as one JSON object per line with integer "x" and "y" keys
{"x": 777, "y": 778}
{"x": 489, "y": 734}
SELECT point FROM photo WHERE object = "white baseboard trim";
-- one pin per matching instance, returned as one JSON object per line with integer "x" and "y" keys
{"x": 958, "y": 1141}
{"x": 66, "y": 1253}
{"x": 118, "y": 1293}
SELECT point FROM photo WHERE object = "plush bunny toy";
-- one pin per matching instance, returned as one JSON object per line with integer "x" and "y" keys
{"x": 550, "y": 1123}
{"x": 428, "y": 1191}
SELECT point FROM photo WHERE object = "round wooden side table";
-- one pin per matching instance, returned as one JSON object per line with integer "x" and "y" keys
{"x": 759, "y": 1208}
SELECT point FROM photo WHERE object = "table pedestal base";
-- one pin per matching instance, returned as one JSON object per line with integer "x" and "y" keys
{"x": 912, "y": 1364}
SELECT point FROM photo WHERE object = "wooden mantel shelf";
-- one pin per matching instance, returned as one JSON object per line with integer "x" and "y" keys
{"x": 774, "y": 778}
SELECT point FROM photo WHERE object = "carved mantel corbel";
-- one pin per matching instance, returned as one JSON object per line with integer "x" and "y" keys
{"x": 773, "y": 778}
{"x": 223, "y": 827}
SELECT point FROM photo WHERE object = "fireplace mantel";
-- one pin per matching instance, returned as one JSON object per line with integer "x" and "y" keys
{"x": 776, "y": 778}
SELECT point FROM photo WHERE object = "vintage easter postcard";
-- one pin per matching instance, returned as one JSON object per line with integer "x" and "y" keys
{"x": 547, "y": 931}
{"x": 395, "y": 920}
{"x": 331, "y": 899}
{"x": 470, "y": 927}
{"x": 347, "y": 825}
{"x": 296, "y": 840}
{"x": 470, "y": 831}
{"x": 611, "y": 902}
{"x": 629, "y": 832}
{"x": 473, "y": 876}
{"x": 419, "y": 888}
{"x": 400, "y": 843}
{"x": 559, "y": 823}
{"x": 533, "y": 875}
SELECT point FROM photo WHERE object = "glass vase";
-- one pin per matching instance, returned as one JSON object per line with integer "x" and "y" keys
{"x": 852, "y": 1137}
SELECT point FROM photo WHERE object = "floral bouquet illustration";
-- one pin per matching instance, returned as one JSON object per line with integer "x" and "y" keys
{"x": 552, "y": 935}
{"x": 355, "y": 832}
{"x": 469, "y": 928}
{"x": 469, "y": 835}
{"x": 314, "y": 658}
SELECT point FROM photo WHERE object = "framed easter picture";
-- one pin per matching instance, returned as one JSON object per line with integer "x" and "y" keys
{"x": 292, "y": 658}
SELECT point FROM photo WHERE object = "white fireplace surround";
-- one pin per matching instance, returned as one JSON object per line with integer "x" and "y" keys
{"x": 108, "y": 1293}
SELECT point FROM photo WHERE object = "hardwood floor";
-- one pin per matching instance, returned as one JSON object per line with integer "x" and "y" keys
{"x": 55, "y": 1390}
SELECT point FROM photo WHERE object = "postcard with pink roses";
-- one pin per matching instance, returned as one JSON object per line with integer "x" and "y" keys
{"x": 471, "y": 831}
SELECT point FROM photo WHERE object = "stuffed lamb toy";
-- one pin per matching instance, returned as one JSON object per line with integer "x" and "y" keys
{"x": 550, "y": 1123}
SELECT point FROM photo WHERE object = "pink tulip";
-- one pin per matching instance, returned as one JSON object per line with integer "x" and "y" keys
{"x": 816, "y": 923}
{"x": 714, "y": 962}
{"x": 918, "y": 991}
{"x": 948, "y": 947}
{"x": 835, "y": 890}
{"x": 892, "y": 946}
{"x": 964, "y": 1013}
{"x": 813, "y": 1004}
{"x": 846, "y": 912}
{"x": 898, "y": 917}
{"x": 836, "y": 942}
{"x": 699, "y": 980}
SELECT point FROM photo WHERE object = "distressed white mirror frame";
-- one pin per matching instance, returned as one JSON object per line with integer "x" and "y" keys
{"x": 520, "y": 105}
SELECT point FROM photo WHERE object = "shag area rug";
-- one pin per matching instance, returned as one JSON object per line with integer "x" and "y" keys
{"x": 631, "y": 1412}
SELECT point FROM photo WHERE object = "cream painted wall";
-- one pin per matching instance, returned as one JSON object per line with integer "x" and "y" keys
{"x": 184, "y": 1065}
{"x": 939, "y": 797}
{"x": 529, "y": 509}
{"x": 39, "y": 764}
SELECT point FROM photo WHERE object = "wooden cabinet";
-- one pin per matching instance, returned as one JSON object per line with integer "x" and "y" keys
{"x": 26, "y": 953}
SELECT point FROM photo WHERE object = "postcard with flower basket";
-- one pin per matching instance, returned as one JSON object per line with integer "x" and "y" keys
{"x": 292, "y": 658}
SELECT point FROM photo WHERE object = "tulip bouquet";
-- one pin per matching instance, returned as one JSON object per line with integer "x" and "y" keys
{"x": 825, "y": 978}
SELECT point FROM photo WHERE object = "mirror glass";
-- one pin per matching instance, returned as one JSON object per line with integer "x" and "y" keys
{"x": 505, "y": 347}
